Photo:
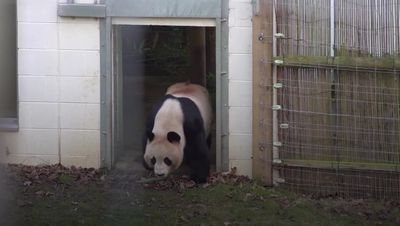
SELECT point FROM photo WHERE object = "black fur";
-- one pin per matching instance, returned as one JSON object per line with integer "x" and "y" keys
{"x": 173, "y": 137}
{"x": 197, "y": 144}
{"x": 150, "y": 135}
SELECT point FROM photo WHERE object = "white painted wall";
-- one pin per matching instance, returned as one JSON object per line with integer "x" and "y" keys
{"x": 59, "y": 88}
{"x": 240, "y": 86}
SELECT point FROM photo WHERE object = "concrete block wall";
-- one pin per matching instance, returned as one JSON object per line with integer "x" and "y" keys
{"x": 240, "y": 86}
{"x": 58, "y": 88}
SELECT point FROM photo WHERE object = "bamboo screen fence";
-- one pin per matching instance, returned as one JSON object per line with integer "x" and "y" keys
{"x": 336, "y": 78}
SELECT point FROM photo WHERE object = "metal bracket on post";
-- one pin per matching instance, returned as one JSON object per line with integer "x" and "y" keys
{"x": 279, "y": 35}
{"x": 256, "y": 7}
{"x": 278, "y": 62}
{"x": 278, "y": 180}
{"x": 278, "y": 85}
{"x": 284, "y": 126}
{"x": 261, "y": 37}
{"x": 276, "y": 107}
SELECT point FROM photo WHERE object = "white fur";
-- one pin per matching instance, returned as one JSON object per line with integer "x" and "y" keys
{"x": 168, "y": 118}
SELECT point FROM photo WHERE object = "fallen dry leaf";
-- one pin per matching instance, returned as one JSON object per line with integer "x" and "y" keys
{"x": 52, "y": 173}
{"x": 180, "y": 183}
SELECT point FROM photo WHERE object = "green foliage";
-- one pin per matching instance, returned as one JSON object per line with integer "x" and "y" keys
{"x": 66, "y": 179}
{"x": 211, "y": 87}
{"x": 164, "y": 49}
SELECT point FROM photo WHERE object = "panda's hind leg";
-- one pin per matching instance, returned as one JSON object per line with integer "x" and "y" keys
{"x": 199, "y": 172}
{"x": 198, "y": 161}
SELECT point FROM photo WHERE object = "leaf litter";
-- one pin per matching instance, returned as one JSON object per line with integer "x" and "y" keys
{"x": 54, "y": 174}
{"x": 182, "y": 182}
{"x": 48, "y": 181}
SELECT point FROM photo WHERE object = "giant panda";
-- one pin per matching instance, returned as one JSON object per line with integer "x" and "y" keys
{"x": 178, "y": 130}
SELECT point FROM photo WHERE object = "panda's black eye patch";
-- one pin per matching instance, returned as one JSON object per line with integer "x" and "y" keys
{"x": 167, "y": 161}
{"x": 153, "y": 160}
{"x": 173, "y": 137}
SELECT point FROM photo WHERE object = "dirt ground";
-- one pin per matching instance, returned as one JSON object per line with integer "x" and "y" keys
{"x": 55, "y": 195}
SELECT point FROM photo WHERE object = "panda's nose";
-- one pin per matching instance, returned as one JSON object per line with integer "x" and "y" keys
{"x": 160, "y": 174}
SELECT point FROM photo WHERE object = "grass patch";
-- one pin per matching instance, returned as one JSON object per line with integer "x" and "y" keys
{"x": 120, "y": 200}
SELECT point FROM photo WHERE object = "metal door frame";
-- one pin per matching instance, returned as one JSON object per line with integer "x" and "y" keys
{"x": 216, "y": 10}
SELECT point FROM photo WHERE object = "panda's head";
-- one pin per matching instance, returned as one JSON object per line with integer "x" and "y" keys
{"x": 164, "y": 153}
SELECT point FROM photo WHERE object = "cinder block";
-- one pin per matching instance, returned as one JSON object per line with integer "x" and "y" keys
{"x": 241, "y": 14}
{"x": 80, "y": 116}
{"x": 82, "y": 161}
{"x": 33, "y": 160}
{"x": 37, "y": 62}
{"x": 244, "y": 167}
{"x": 76, "y": 144}
{"x": 36, "y": 115}
{"x": 240, "y": 120}
{"x": 79, "y": 63}
{"x": 240, "y": 40}
{"x": 37, "y": 35}
{"x": 93, "y": 161}
{"x": 80, "y": 142}
{"x": 38, "y": 88}
{"x": 240, "y": 93}
{"x": 240, "y": 146}
{"x": 80, "y": 89}
{"x": 79, "y": 36}
{"x": 32, "y": 142}
{"x": 231, "y": 16}
{"x": 241, "y": 67}
{"x": 34, "y": 11}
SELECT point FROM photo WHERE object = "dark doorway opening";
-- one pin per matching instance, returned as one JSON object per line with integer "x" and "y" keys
{"x": 148, "y": 59}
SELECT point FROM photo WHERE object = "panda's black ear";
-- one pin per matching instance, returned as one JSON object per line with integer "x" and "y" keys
{"x": 173, "y": 137}
{"x": 150, "y": 135}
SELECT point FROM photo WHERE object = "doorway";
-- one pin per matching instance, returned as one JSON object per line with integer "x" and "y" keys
{"x": 146, "y": 60}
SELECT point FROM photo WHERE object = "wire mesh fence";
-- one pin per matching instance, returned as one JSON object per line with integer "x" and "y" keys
{"x": 347, "y": 183}
{"x": 337, "y": 84}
